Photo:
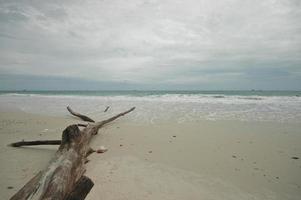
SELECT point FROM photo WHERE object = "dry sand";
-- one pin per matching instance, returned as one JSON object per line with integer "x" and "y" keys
{"x": 204, "y": 160}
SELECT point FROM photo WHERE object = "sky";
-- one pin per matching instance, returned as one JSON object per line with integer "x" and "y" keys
{"x": 150, "y": 44}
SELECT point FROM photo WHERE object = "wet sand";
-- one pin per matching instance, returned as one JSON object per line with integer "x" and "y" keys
{"x": 195, "y": 160}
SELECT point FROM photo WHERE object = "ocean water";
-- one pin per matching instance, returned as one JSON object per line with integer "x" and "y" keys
{"x": 159, "y": 106}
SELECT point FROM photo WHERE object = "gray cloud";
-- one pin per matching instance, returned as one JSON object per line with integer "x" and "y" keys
{"x": 196, "y": 44}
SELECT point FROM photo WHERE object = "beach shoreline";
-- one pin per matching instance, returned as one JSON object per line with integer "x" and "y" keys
{"x": 168, "y": 160}
{"x": 166, "y": 100}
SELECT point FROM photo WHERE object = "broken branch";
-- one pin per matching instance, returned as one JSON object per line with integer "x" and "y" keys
{"x": 35, "y": 142}
{"x": 83, "y": 117}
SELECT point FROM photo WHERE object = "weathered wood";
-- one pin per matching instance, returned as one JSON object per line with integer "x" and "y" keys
{"x": 81, "y": 189}
{"x": 89, "y": 152}
{"x": 83, "y": 117}
{"x": 83, "y": 125}
{"x": 98, "y": 125}
{"x": 35, "y": 142}
{"x": 65, "y": 170}
{"x": 30, "y": 187}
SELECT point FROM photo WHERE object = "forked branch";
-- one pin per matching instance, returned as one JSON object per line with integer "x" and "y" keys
{"x": 98, "y": 125}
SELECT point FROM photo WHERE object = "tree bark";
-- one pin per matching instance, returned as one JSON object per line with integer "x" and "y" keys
{"x": 65, "y": 171}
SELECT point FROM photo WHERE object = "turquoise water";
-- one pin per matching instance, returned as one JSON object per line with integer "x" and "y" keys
{"x": 149, "y": 93}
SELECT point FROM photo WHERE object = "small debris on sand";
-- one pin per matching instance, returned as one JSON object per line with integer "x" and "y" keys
{"x": 233, "y": 156}
{"x": 174, "y": 136}
{"x": 107, "y": 108}
{"x": 295, "y": 157}
{"x": 102, "y": 149}
{"x": 150, "y": 151}
{"x": 10, "y": 187}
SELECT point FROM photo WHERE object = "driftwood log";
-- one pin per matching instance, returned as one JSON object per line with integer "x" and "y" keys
{"x": 64, "y": 178}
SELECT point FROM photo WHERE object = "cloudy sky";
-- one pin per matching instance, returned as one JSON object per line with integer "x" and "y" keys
{"x": 150, "y": 44}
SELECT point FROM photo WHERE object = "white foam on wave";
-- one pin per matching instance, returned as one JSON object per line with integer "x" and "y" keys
{"x": 154, "y": 108}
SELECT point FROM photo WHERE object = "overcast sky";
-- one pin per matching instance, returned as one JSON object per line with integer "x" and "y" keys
{"x": 150, "y": 44}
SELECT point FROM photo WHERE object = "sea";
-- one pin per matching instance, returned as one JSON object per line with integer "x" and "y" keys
{"x": 161, "y": 106}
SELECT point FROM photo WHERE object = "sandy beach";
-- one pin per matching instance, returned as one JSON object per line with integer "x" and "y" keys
{"x": 191, "y": 160}
{"x": 186, "y": 100}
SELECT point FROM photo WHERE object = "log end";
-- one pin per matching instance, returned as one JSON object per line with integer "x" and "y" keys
{"x": 81, "y": 189}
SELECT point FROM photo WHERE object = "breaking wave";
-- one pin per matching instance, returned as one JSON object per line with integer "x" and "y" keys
{"x": 154, "y": 108}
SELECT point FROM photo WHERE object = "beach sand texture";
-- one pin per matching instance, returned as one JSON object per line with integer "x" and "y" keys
{"x": 192, "y": 160}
